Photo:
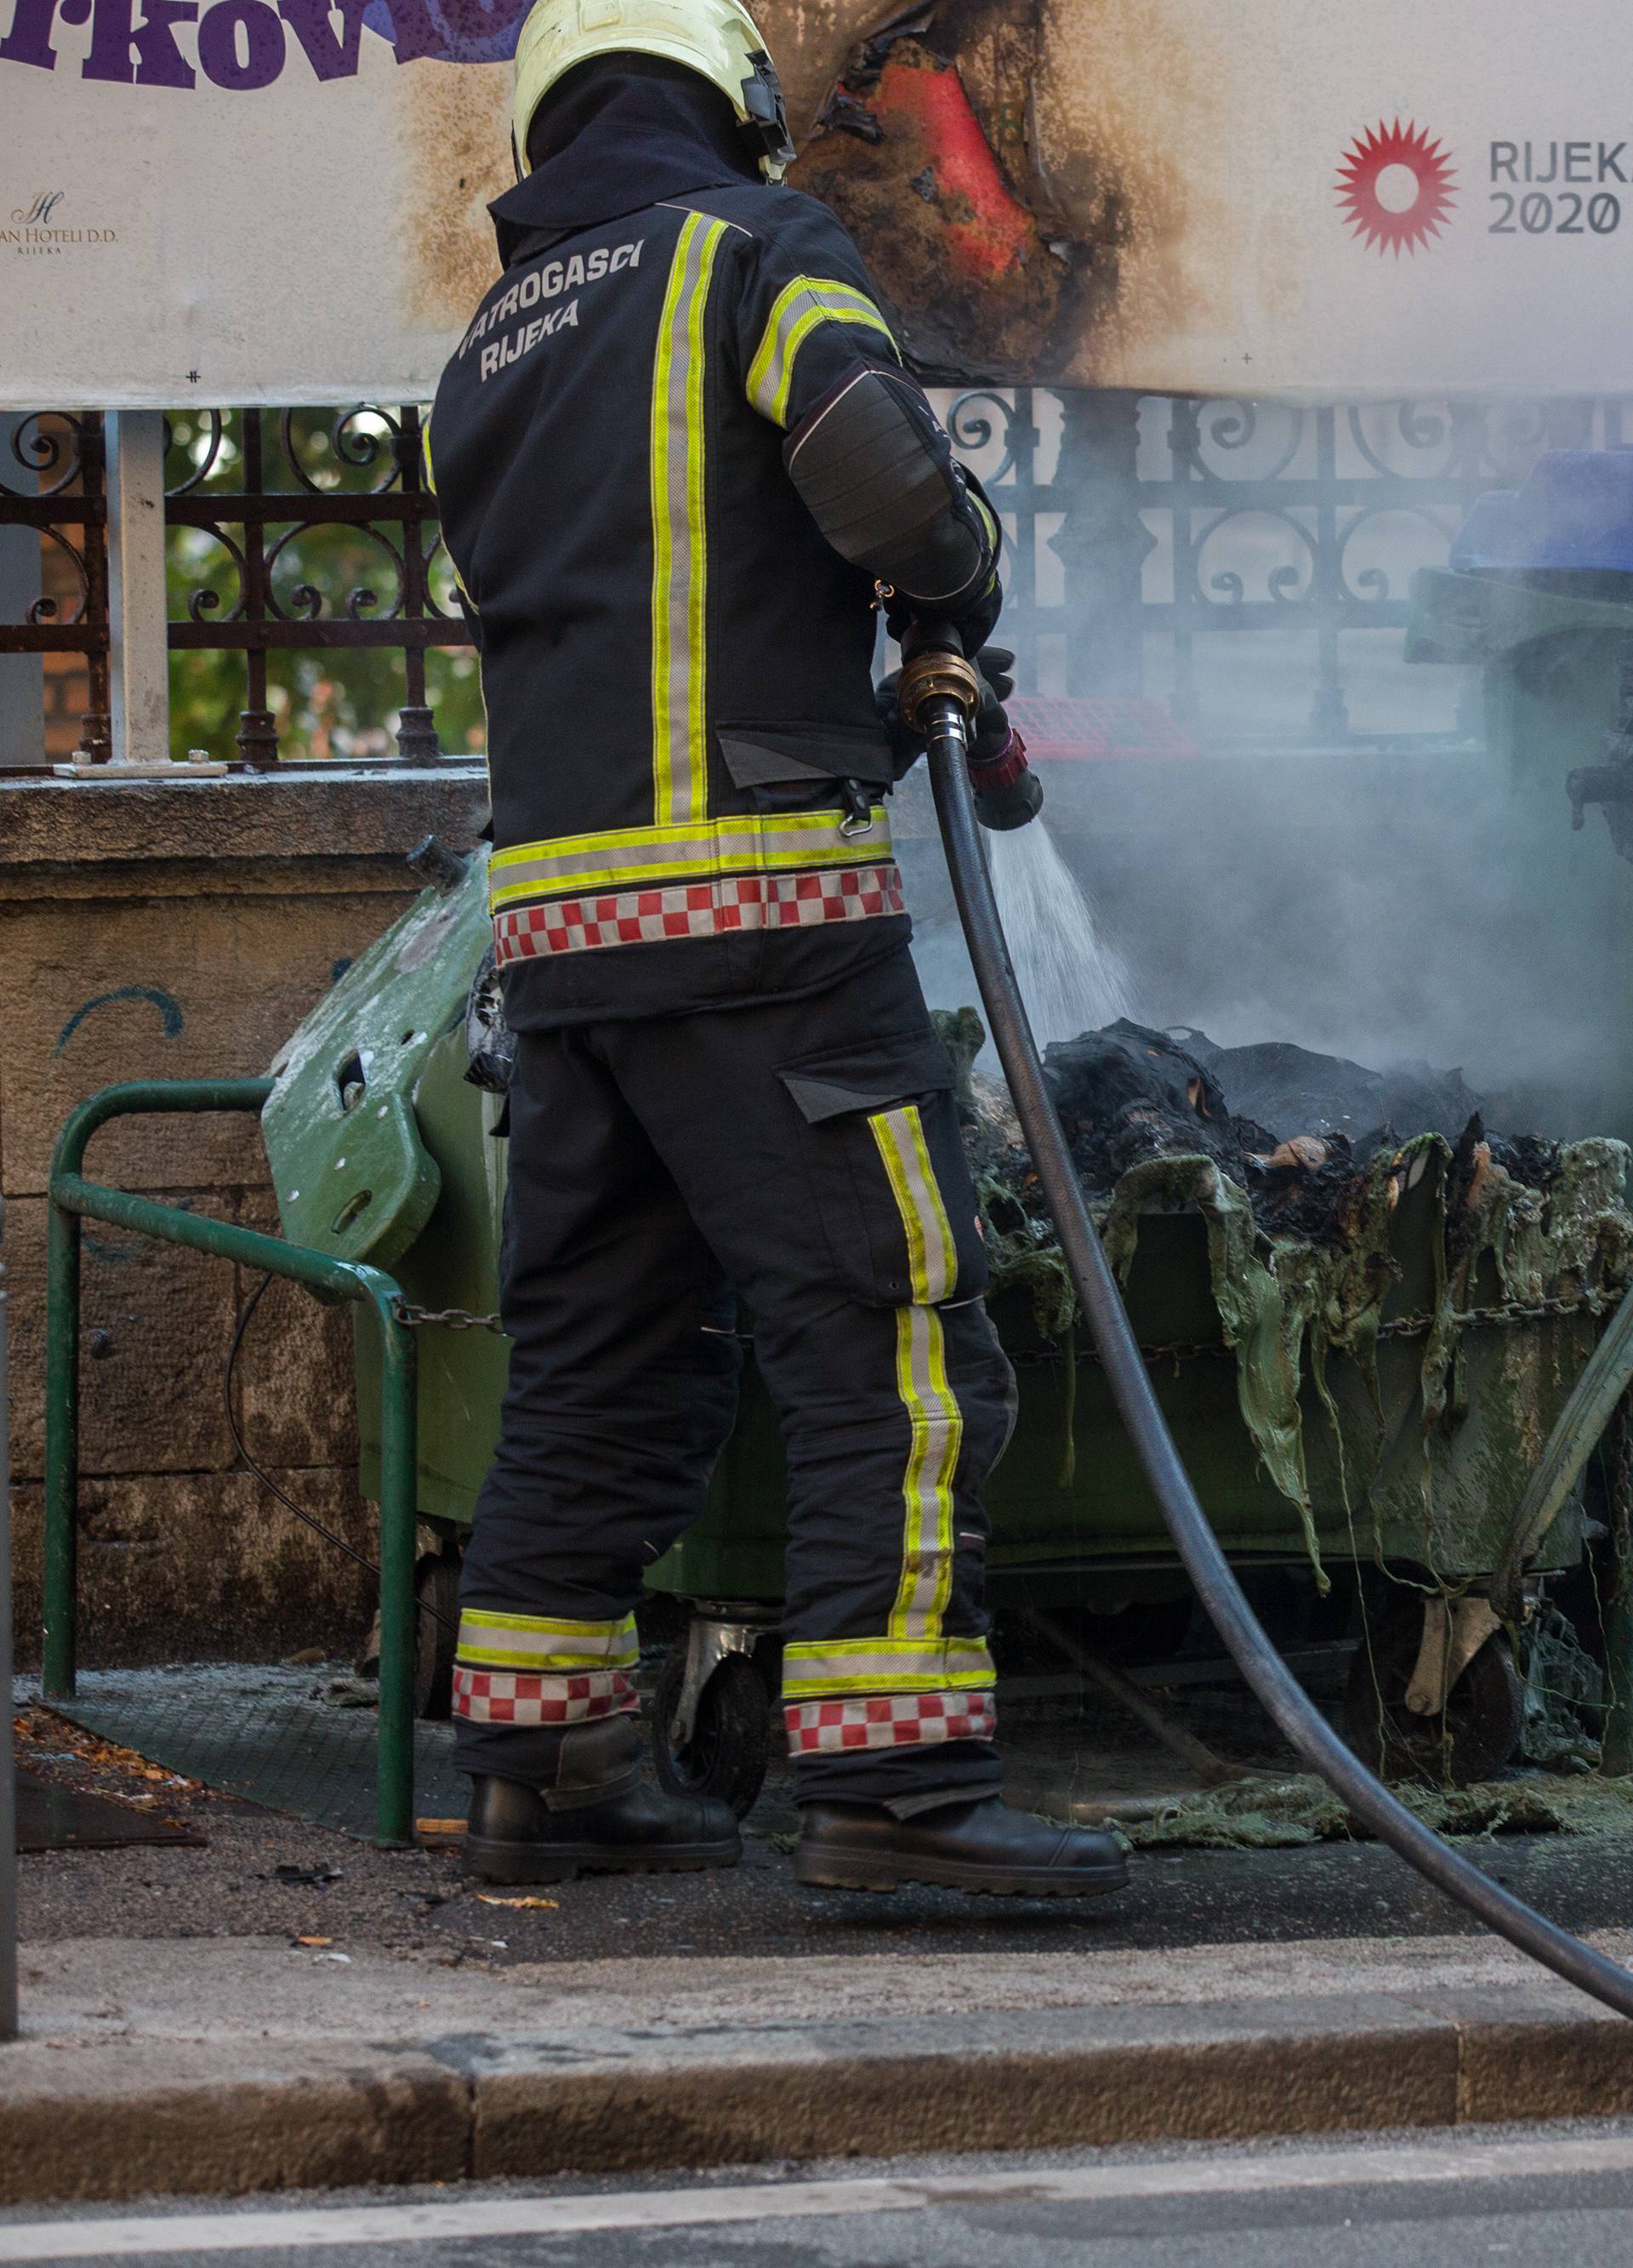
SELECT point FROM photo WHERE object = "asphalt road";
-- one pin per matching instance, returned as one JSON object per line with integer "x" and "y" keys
{"x": 1519, "y": 2194}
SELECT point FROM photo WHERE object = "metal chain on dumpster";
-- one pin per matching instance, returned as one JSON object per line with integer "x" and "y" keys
{"x": 451, "y": 1319}
{"x": 1510, "y": 1313}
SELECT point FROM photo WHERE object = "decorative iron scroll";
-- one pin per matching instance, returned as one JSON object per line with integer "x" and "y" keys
{"x": 1139, "y": 522}
{"x": 261, "y": 579}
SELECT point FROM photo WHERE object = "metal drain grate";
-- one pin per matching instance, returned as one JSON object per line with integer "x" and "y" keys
{"x": 265, "y": 1734}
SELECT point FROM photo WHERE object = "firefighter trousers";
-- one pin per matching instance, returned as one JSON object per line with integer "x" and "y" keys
{"x": 804, "y": 1155}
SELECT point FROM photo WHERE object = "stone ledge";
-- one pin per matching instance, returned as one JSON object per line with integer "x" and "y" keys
{"x": 345, "y": 812}
{"x": 316, "y": 2096}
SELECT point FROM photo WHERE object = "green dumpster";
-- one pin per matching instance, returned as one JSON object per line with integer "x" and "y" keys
{"x": 1386, "y": 1407}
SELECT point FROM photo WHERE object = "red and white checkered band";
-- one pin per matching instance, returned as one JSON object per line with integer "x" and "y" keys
{"x": 508, "y": 1697}
{"x": 887, "y": 1720}
{"x": 715, "y": 908}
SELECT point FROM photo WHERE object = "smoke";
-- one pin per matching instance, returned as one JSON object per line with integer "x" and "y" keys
{"x": 1385, "y": 908}
{"x": 1355, "y": 861}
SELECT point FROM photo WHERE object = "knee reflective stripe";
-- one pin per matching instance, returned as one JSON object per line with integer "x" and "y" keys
{"x": 937, "y": 1439}
{"x": 502, "y": 1638}
{"x": 800, "y": 308}
{"x": 887, "y": 1720}
{"x": 936, "y": 1421}
{"x": 679, "y": 740}
{"x": 498, "y": 1697}
{"x": 820, "y": 1668}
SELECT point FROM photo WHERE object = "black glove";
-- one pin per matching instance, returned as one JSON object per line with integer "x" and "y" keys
{"x": 1007, "y": 794}
{"x": 988, "y": 728}
{"x": 975, "y": 625}
{"x": 989, "y": 731}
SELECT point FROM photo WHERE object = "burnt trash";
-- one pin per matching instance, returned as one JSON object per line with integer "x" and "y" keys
{"x": 1294, "y": 1129}
{"x": 1128, "y": 1093}
{"x": 1292, "y": 1091}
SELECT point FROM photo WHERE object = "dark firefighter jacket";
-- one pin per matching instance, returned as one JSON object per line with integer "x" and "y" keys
{"x": 676, "y": 665}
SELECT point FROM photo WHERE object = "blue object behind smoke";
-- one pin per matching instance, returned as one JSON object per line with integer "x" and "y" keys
{"x": 1575, "y": 511}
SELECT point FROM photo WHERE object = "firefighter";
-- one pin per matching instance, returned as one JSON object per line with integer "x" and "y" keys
{"x": 678, "y": 460}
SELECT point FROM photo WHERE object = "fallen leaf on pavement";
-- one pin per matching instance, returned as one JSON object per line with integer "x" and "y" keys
{"x": 530, "y": 1902}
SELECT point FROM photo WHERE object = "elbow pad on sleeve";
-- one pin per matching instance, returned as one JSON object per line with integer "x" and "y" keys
{"x": 878, "y": 475}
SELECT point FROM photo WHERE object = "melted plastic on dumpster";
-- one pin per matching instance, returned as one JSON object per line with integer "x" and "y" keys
{"x": 1304, "y": 1261}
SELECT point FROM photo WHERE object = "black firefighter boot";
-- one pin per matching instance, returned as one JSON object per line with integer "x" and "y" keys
{"x": 984, "y": 1846}
{"x": 596, "y": 1815}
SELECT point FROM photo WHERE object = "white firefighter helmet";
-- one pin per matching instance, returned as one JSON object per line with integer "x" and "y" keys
{"x": 718, "y": 39}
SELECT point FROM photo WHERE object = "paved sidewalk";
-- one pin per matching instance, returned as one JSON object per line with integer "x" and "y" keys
{"x": 286, "y": 2007}
{"x": 233, "y": 2065}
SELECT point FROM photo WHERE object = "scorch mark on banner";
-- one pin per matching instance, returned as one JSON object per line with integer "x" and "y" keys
{"x": 455, "y": 138}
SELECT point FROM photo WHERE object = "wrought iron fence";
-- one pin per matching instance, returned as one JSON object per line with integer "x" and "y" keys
{"x": 52, "y": 481}
{"x": 1156, "y": 541}
{"x": 263, "y": 569}
{"x": 1235, "y": 562}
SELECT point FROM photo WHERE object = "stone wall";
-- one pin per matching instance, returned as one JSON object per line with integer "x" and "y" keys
{"x": 180, "y": 931}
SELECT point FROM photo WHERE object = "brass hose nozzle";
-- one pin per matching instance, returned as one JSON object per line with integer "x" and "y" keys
{"x": 931, "y": 676}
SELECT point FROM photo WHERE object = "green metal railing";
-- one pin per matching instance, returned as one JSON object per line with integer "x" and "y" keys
{"x": 74, "y": 1199}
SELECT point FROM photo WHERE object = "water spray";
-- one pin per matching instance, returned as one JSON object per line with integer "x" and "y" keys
{"x": 939, "y": 695}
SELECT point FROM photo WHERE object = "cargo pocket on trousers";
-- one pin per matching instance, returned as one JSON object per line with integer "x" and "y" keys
{"x": 886, "y": 1170}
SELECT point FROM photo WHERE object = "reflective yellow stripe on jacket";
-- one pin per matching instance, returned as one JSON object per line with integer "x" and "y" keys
{"x": 800, "y": 308}
{"x": 680, "y": 543}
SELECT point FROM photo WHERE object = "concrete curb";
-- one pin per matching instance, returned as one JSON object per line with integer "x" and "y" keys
{"x": 113, "y": 2119}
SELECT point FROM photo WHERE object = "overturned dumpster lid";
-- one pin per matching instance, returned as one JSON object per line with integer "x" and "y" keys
{"x": 1574, "y": 512}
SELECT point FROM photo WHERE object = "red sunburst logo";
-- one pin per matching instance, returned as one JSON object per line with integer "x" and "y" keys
{"x": 1407, "y": 218}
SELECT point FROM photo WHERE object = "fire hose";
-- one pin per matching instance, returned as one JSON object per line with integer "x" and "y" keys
{"x": 938, "y": 694}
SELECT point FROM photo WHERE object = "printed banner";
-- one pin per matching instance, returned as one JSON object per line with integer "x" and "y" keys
{"x": 274, "y": 200}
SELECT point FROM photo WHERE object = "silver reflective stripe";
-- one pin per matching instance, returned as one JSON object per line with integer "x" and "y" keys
{"x": 932, "y": 1260}
{"x": 880, "y": 1666}
{"x": 800, "y": 308}
{"x": 937, "y": 1436}
{"x": 536, "y": 1643}
{"x": 755, "y": 844}
{"x": 937, "y": 1423}
{"x": 680, "y": 775}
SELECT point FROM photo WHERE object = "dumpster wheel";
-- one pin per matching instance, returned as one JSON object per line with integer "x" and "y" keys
{"x": 730, "y": 1743}
{"x": 1471, "y": 1736}
{"x": 436, "y": 1587}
